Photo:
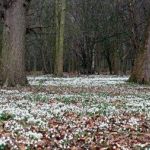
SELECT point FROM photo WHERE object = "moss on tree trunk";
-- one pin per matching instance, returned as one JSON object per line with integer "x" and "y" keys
{"x": 60, "y": 26}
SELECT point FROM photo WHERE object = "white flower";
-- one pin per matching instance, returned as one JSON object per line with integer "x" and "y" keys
{"x": 133, "y": 121}
{"x": 103, "y": 125}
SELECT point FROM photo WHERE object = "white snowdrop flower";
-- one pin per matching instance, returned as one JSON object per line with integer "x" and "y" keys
{"x": 103, "y": 125}
{"x": 36, "y": 145}
{"x": 3, "y": 141}
{"x": 70, "y": 137}
{"x": 93, "y": 110}
{"x": 53, "y": 136}
{"x": 15, "y": 147}
{"x": 133, "y": 121}
{"x": 34, "y": 135}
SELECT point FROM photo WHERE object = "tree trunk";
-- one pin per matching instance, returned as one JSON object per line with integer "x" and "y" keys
{"x": 115, "y": 63}
{"x": 0, "y": 47}
{"x": 13, "y": 51}
{"x": 141, "y": 69}
{"x": 60, "y": 26}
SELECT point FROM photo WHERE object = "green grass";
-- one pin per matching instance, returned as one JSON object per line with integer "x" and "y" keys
{"x": 3, "y": 147}
{"x": 5, "y": 116}
{"x": 37, "y": 97}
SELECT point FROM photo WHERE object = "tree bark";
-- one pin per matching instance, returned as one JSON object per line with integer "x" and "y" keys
{"x": 141, "y": 69}
{"x": 13, "y": 51}
{"x": 60, "y": 26}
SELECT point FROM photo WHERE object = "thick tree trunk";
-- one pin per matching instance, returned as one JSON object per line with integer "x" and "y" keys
{"x": 13, "y": 51}
{"x": 141, "y": 69}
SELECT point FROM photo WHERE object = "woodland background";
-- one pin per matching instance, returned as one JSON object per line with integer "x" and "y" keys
{"x": 100, "y": 36}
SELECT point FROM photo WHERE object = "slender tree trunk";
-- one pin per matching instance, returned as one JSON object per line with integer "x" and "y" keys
{"x": 0, "y": 48}
{"x": 13, "y": 51}
{"x": 60, "y": 26}
{"x": 109, "y": 62}
{"x": 93, "y": 59}
{"x": 115, "y": 62}
{"x": 44, "y": 61}
{"x": 141, "y": 68}
{"x": 57, "y": 36}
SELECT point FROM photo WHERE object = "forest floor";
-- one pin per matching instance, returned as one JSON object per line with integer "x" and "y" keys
{"x": 75, "y": 113}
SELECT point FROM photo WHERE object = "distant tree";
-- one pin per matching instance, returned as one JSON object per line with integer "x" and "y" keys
{"x": 60, "y": 27}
